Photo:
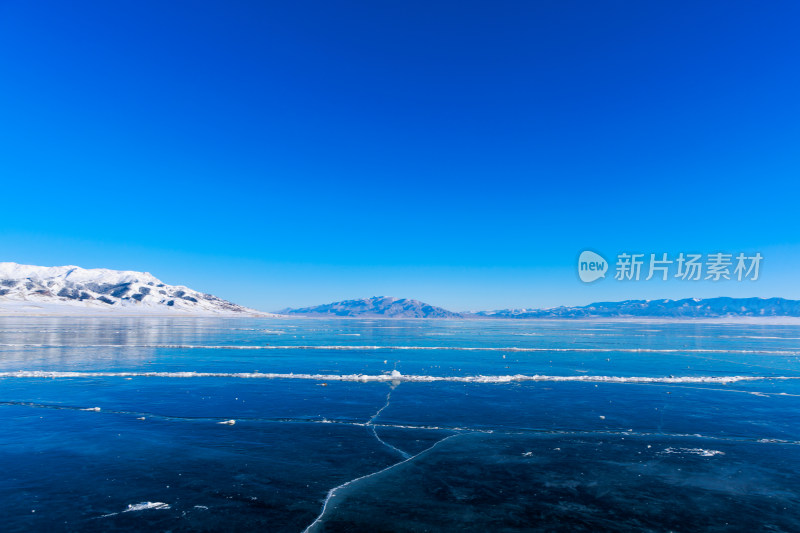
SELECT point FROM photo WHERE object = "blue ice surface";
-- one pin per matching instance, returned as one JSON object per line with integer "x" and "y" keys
{"x": 147, "y": 447}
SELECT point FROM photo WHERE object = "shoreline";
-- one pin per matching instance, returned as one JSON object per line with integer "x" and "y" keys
{"x": 85, "y": 312}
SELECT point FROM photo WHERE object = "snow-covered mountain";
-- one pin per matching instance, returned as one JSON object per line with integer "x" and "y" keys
{"x": 29, "y": 289}
{"x": 685, "y": 308}
{"x": 376, "y": 306}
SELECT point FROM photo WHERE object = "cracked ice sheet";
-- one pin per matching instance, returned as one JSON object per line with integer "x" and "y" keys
{"x": 255, "y": 474}
{"x": 484, "y": 482}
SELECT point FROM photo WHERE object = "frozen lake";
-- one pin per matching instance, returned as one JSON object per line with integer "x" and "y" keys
{"x": 397, "y": 425}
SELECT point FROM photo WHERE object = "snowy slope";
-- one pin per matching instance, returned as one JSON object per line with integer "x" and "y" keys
{"x": 30, "y": 289}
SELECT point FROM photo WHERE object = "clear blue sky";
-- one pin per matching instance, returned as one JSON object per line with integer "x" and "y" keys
{"x": 462, "y": 153}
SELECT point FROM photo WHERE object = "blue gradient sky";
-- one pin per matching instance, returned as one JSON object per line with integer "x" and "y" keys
{"x": 462, "y": 153}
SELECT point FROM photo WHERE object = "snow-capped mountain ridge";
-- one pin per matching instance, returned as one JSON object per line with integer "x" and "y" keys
{"x": 683, "y": 308}
{"x": 26, "y": 288}
{"x": 385, "y": 306}
{"x": 73, "y": 273}
{"x": 722, "y": 307}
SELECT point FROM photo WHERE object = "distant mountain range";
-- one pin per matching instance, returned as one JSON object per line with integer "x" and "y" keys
{"x": 70, "y": 290}
{"x": 376, "y": 306}
{"x": 686, "y": 308}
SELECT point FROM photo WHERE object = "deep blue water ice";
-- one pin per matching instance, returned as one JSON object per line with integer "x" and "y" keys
{"x": 131, "y": 424}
